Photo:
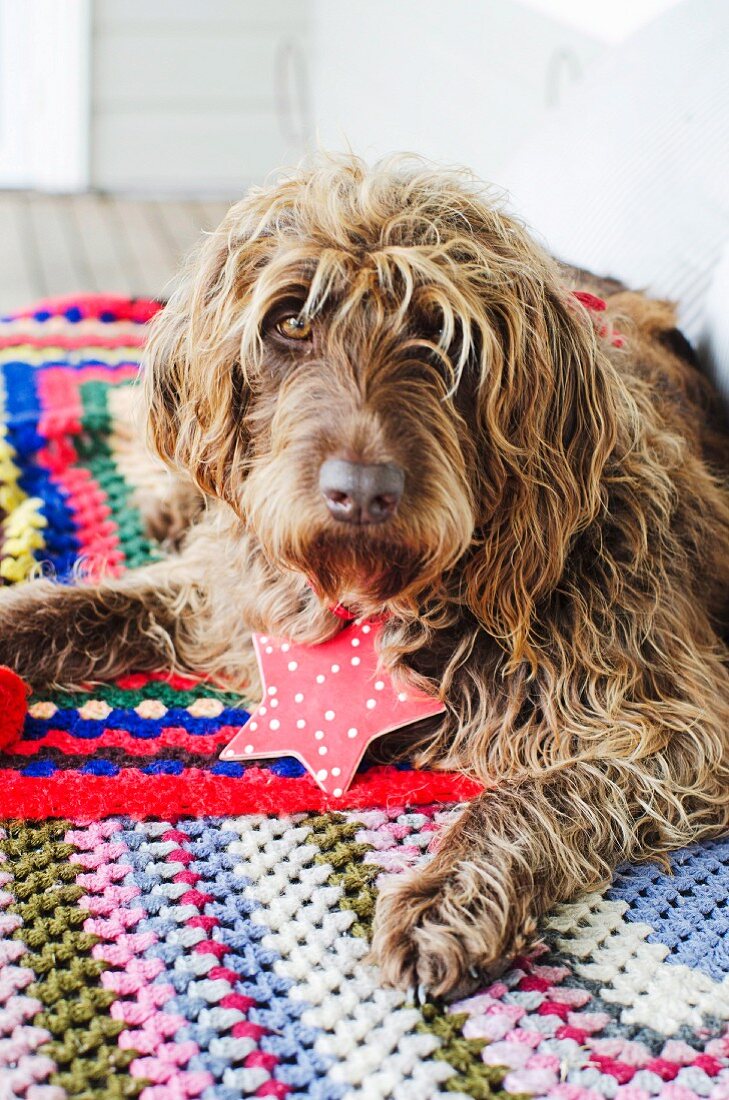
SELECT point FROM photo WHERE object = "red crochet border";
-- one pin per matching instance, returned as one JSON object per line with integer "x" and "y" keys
{"x": 91, "y": 797}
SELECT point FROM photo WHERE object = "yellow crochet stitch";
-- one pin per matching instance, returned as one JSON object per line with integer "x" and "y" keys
{"x": 23, "y": 536}
{"x": 23, "y": 517}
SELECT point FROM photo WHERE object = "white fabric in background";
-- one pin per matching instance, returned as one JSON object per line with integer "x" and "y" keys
{"x": 714, "y": 346}
{"x": 630, "y": 177}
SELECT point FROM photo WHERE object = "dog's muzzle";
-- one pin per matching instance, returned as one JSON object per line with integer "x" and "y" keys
{"x": 359, "y": 493}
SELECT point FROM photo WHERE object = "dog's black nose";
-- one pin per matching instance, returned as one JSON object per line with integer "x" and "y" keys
{"x": 356, "y": 492}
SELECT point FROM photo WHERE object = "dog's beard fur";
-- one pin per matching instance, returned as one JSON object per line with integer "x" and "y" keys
{"x": 366, "y": 570}
{"x": 364, "y": 567}
{"x": 359, "y": 572}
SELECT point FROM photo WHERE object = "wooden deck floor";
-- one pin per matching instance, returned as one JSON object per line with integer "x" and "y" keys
{"x": 53, "y": 245}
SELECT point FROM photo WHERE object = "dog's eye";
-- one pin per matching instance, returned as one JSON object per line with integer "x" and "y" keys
{"x": 294, "y": 327}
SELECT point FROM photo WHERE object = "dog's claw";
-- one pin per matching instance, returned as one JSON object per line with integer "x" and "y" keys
{"x": 474, "y": 972}
{"x": 418, "y": 994}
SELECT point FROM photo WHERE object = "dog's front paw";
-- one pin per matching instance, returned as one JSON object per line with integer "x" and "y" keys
{"x": 443, "y": 933}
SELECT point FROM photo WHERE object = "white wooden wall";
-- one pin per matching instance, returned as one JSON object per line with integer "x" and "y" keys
{"x": 44, "y": 94}
{"x": 459, "y": 81}
{"x": 202, "y": 97}
{"x": 196, "y": 96}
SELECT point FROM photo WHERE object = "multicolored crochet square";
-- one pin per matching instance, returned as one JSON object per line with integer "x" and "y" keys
{"x": 222, "y": 958}
{"x": 69, "y": 465}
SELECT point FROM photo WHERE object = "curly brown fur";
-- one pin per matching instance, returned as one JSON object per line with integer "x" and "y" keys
{"x": 557, "y": 570}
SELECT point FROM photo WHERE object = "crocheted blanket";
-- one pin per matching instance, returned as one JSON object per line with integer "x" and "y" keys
{"x": 226, "y": 958}
{"x": 69, "y": 466}
{"x": 216, "y": 957}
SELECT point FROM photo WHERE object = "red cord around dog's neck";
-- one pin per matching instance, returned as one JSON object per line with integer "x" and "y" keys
{"x": 597, "y": 305}
{"x": 348, "y": 616}
{"x": 342, "y": 612}
{"x": 345, "y": 613}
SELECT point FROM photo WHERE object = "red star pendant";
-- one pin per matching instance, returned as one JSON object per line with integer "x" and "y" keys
{"x": 324, "y": 704}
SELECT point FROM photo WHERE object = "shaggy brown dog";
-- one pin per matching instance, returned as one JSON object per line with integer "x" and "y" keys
{"x": 390, "y": 397}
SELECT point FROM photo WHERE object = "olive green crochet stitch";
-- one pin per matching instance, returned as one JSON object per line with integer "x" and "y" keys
{"x": 75, "y": 1006}
{"x": 335, "y": 837}
{"x": 472, "y": 1075}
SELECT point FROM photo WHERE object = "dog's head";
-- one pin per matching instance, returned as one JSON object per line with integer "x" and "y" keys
{"x": 383, "y": 375}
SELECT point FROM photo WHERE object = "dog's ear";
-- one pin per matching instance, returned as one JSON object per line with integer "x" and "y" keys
{"x": 547, "y": 415}
{"x": 195, "y": 384}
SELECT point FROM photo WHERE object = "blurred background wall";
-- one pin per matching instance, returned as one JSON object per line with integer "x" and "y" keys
{"x": 196, "y": 96}
{"x": 201, "y": 97}
{"x": 127, "y": 126}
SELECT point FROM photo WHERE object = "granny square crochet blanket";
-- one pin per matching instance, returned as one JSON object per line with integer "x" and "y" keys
{"x": 188, "y": 948}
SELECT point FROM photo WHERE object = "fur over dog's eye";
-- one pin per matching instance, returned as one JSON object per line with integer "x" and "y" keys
{"x": 294, "y": 327}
